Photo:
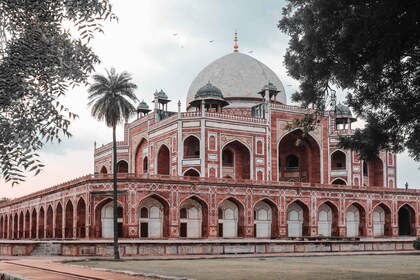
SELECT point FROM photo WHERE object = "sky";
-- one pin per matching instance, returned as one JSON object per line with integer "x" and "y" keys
{"x": 143, "y": 43}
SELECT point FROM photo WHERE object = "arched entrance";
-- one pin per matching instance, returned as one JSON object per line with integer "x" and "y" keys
{"x": 297, "y": 219}
{"x": 355, "y": 220}
{"x": 41, "y": 219}
{"x": 107, "y": 220}
{"x": 6, "y": 227}
{"x": 68, "y": 226}
{"x": 154, "y": 214}
{"x": 81, "y": 219}
{"x": 328, "y": 219}
{"x": 265, "y": 219}
{"x": 230, "y": 218}
{"x": 163, "y": 160}
{"x": 33, "y": 225}
{"x": 339, "y": 182}
{"x": 236, "y": 161}
{"x": 381, "y": 221}
{"x": 103, "y": 170}
{"x": 122, "y": 166}
{"x": 59, "y": 221}
{"x": 27, "y": 224}
{"x": 191, "y": 222}
{"x": 192, "y": 173}
{"x": 299, "y": 158}
{"x": 49, "y": 228}
{"x": 141, "y": 157}
{"x": 406, "y": 221}
{"x": 191, "y": 147}
{"x": 338, "y": 161}
{"x": 1, "y": 227}
{"x": 21, "y": 223}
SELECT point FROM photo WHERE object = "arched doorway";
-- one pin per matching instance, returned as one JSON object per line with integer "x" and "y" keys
{"x": 59, "y": 221}
{"x": 192, "y": 173}
{"x": 122, "y": 166}
{"x": 33, "y": 225}
{"x": 338, "y": 161}
{"x": 1, "y": 227}
{"x": 236, "y": 161}
{"x": 141, "y": 157}
{"x": 163, "y": 160}
{"x": 103, "y": 170}
{"x": 27, "y": 224}
{"x": 265, "y": 219}
{"x": 406, "y": 221}
{"x": 81, "y": 219}
{"x": 191, "y": 222}
{"x": 328, "y": 219}
{"x": 355, "y": 220}
{"x": 297, "y": 219}
{"x": 191, "y": 147}
{"x": 299, "y": 158}
{"x": 41, "y": 219}
{"x": 21, "y": 223}
{"x": 107, "y": 220}
{"x": 49, "y": 227}
{"x": 6, "y": 227}
{"x": 339, "y": 182}
{"x": 68, "y": 226}
{"x": 381, "y": 221}
{"x": 230, "y": 223}
{"x": 154, "y": 212}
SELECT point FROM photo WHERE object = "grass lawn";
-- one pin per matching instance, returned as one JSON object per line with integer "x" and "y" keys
{"x": 316, "y": 267}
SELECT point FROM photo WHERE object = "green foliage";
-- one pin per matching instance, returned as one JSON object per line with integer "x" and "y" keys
{"x": 108, "y": 97}
{"x": 370, "y": 48}
{"x": 39, "y": 60}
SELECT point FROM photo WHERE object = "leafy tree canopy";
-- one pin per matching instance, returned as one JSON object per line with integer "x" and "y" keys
{"x": 370, "y": 48}
{"x": 39, "y": 60}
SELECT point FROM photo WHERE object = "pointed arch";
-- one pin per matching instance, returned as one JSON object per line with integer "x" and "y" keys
{"x": 20, "y": 225}
{"x": 27, "y": 224}
{"x": 49, "y": 222}
{"x": 328, "y": 219}
{"x": 59, "y": 221}
{"x": 6, "y": 227}
{"x": 406, "y": 220}
{"x": 192, "y": 172}
{"x": 381, "y": 220}
{"x": 236, "y": 160}
{"x": 297, "y": 219}
{"x": 103, "y": 170}
{"x": 338, "y": 160}
{"x": 154, "y": 217}
{"x": 339, "y": 181}
{"x": 141, "y": 157}
{"x": 1, "y": 227}
{"x": 191, "y": 147}
{"x": 163, "y": 160}
{"x": 34, "y": 230}
{"x": 68, "y": 220}
{"x": 41, "y": 223}
{"x": 231, "y": 218}
{"x": 307, "y": 167}
{"x": 104, "y": 227}
{"x": 265, "y": 219}
{"x": 195, "y": 223}
{"x": 81, "y": 218}
{"x": 122, "y": 166}
{"x": 355, "y": 220}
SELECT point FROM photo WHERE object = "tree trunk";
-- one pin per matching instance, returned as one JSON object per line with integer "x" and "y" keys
{"x": 114, "y": 175}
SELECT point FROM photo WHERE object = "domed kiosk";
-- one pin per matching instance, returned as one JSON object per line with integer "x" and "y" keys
{"x": 240, "y": 78}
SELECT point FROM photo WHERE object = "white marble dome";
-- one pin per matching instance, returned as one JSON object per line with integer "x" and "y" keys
{"x": 240, "y": 77}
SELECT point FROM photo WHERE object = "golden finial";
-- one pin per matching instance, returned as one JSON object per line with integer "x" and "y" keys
{"x": 235, "y": 46}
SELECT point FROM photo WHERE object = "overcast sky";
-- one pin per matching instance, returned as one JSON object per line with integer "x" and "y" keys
{"x": 142, "y": 43}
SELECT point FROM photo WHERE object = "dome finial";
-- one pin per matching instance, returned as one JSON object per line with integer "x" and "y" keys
{"x": 235, "y": 45}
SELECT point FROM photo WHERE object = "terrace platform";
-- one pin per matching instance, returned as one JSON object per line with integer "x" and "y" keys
{"x": 183, "y": 247}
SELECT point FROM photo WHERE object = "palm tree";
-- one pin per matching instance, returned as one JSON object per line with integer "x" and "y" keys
{"x": 110, "y": 97}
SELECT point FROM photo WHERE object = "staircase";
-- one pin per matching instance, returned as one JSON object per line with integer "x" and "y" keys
{"x": 47, "y": 248}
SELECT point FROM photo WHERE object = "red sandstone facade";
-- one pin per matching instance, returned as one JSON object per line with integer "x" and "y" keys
{"x": 224, "y": 171}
